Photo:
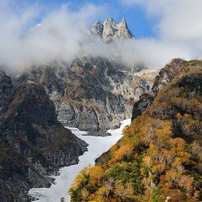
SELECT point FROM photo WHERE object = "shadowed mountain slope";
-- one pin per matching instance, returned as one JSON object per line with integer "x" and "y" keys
{"x": 33, "y": 143}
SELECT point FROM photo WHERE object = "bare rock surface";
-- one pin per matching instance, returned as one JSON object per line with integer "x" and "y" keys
{"x": 92, "y": 93}
{"x": 111, "y": 29}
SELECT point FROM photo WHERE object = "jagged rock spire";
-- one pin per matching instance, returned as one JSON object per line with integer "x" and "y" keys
{"x": 111, "y": 29}
{"x": 97, "y": 28}
{"x": 123, "y": 21}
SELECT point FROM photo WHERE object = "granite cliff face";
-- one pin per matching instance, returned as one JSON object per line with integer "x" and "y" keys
{"x": 92, "y": 94}
{"x": 111, "y": 29}
{"x": 33, "y": 142}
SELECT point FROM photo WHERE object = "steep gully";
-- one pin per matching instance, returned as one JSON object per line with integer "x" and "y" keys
{"x": 97, "y": 145}
{"x": 87, "y": 101}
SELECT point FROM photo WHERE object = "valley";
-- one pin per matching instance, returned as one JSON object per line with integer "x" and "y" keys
{"x": 67, "y": 94}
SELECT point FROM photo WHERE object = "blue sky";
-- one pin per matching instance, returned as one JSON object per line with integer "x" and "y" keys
{"x": 164, "y": 29}
{"x": 138, "y": 21}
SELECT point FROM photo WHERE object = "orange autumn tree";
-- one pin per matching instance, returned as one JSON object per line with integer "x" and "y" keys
{"x": 96, "y": 173}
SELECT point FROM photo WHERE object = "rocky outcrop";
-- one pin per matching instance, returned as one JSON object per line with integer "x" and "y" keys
{"x": 101, "y": 96}
{"x": 93, "y": 94}
{"x": 33, "y": 142}
{"x": 144, "y": 103}
{"x": 167, "y": 73}
{"x": 111, "y": 29}
{"x": 165, "y": 76}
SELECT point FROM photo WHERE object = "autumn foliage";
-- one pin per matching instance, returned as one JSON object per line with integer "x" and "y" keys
{"x": 159, "y": 157}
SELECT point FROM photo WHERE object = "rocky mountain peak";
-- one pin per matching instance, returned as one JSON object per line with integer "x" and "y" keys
{"x": 111, "y": 29}
{"x": 110, "y": 23}
{"x": 123, "y": 23}
{"x": 97, "y": 28}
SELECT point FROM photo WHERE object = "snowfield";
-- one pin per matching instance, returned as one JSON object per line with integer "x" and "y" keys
{"x": 97, "y": 146}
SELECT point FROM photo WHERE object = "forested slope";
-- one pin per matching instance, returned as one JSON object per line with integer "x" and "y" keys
{"x": 159, "y": 157}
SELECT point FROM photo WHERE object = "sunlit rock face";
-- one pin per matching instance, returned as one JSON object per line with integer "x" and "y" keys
{"x": 92, "y": 93}
{"x": 111, "y": 29}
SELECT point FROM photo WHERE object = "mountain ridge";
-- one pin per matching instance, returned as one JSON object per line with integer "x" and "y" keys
{"x": 111, "y": 29}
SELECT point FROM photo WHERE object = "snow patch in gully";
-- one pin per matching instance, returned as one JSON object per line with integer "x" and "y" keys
{"x": 97, "y": 146}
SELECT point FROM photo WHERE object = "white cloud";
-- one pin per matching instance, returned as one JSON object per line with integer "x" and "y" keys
{"x": 63, "y": 34}
{"x": 60, "y": 36}
{"x": 15, "y": 18}
{"x": 151, "y": 52}
{"x": 179, "y": 22}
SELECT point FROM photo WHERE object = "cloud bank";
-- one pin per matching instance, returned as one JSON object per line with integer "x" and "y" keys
{"x": 63, "y": 35}
{"x": 178, "y": 22}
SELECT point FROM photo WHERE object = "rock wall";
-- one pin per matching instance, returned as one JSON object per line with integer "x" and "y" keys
{"x": 33, "y": 142}
{"x": 93, "y": 93}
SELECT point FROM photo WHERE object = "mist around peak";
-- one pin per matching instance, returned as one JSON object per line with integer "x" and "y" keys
{"x": 64, "y": 35}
